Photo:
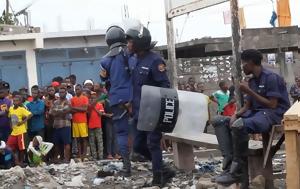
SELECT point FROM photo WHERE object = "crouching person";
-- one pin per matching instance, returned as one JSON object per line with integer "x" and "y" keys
{"x": 6, "y": 156}
{"x": 38, "y": 150}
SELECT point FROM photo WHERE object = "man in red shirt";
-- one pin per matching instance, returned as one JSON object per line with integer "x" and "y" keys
{"x": 79, "y": 105}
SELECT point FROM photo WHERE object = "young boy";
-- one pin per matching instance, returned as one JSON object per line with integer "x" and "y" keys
{"x": 110, "y": 133}
{"x": 221, "y": 96}
{"x": 96, "y": 110}
{"x": 230, "y": 107}
{"x": 19, "y": 117}
{"x": 62, "y": 126}
{"x": 37, "y": 108}
{"x": 37, "y": 150}
{"x": 5, "y": 156}
{"x": 79, "y": 105}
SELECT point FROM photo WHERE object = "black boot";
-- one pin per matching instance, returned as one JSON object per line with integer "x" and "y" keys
{"x": 237, "y": 170}
{"x": 126, "y": 171}
{"x": 223, "y": 133}
{"x": 161, "y": 178}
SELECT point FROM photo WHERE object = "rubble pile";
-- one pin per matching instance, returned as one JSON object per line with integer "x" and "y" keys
{"x": 104, "y": 174}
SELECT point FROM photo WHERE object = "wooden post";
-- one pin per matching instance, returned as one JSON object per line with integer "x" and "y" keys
{"x": 292, "y": 145}
{"x": 171, "y": 46}
{"x": 236, "y": 43}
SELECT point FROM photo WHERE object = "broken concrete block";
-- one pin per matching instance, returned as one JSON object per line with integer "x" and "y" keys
{"x": 76, "y": 182}
{"x": 205, "y": 183}
{"x": 258, "y": 182}
{"x": 98, "y": 181}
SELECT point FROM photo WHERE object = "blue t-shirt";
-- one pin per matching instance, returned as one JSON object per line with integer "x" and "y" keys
{"x": 37, "y": 108}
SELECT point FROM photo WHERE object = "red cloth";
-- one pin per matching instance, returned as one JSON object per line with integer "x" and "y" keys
{"x": 55, "y": 84}
{"x": 95, "y": 119}
{"x": 79, "y": 117}
{"x": 30, "y": 99}
{"x": 229, "y": 109}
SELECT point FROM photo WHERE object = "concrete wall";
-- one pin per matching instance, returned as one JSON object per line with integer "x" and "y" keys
{"x": 32, "y": 43}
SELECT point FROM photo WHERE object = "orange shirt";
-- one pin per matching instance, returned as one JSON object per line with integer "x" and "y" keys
{"x": 79, "y": 117}
{"x": 95, "y": 119}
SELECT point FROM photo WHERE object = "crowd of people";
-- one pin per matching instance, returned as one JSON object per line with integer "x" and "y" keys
{"x": 55, "y": 123}
{"x": 65, "y": 118}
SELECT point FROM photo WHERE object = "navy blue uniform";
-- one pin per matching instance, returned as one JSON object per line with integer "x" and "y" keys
{"x": 116, "y": 70}
{"x": 148, "y": 70}
{"x": 259, "y": 118}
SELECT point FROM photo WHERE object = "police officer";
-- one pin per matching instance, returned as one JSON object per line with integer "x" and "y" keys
{"x": 149, "y": 69}
{"x": 266, "y": 102}
{"x": 114, "y": 68}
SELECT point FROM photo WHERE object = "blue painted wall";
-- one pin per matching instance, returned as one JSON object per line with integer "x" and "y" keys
{"x": 13, "y": 69}
{"x": 83, "y": 62}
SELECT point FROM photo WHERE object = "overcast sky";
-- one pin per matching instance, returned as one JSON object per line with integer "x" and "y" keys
{"x": 67, "y": 15}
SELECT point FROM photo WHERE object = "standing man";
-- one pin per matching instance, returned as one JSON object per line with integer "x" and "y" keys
{"x": 295, "y": 90}
{"x": 36, "y": 124}
{"x": 114, "y": 67}
{"x": 5, "y": 104}
{"x": 60, "y": 110}
{"x": 150, "y": 69}
{"x": 266, "y": 102}
{"x": 80, "y": 105}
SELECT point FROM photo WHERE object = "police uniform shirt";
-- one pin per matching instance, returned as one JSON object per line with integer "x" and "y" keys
{"x": 149, "y": 70}
{"x": 116, "y": 70}
{"x": 268, "y": 85}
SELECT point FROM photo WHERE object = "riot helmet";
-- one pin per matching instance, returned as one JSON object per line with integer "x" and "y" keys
{"x": 115, "y": 39}
{"x": 140, "y": 37}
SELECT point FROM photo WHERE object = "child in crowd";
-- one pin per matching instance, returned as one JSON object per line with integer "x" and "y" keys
{"x": 221, "y": 96}
{"x": 37, "y": 150}
{"x": 230, "y": 107}
{"x": 79, "y": 105}
{"x": 19, "y": 116}
{"x": 62, "y": 126}
{"x": 111, "y": 138}
{"x": 96, "y": 110}
{"x": 6, "y": 158}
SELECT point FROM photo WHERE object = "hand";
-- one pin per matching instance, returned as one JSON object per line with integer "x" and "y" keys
{"x": 232, "y": 119}
{"x": 20, "y": 123}
{"x": 129, "y": 107}
{"x": 243, "y": 86}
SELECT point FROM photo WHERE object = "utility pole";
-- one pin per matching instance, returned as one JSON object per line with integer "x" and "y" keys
{"x": 6, "y": 11}
{"x": 7, "y": 7}
{"x": 171, "y": 46}
{"x": 236, "y": 48}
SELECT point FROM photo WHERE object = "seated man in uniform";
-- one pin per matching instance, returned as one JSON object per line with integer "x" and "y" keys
{"x": 266, "y": 102}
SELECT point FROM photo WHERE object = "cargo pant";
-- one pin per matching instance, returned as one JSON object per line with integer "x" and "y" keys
{"x": 96, "y": 142}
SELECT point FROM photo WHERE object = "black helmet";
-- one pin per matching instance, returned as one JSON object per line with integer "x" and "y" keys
{"x": 141, "y": 39}
{"x": 115, "y": 38}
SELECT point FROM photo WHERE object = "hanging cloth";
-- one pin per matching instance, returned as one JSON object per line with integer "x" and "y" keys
{"x": 284, "y": 13}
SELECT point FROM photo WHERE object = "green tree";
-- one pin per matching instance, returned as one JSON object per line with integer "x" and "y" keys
{"x": 7, "y": 19}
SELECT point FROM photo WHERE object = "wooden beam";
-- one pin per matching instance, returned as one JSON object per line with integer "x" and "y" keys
{"x": 171, "y": 46}
{"x": 236, "y": 43}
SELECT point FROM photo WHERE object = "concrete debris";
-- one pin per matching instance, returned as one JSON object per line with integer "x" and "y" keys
{"x": 98, "y": 181}
{"x": 104, "y": 174}
{"x": 258, "y": 182}
{"x": 76, "y": 182}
